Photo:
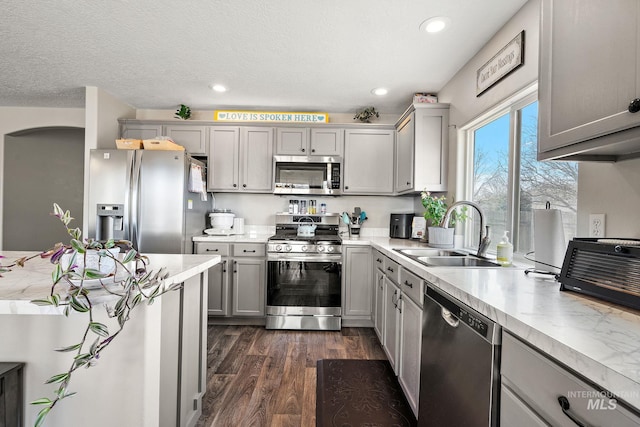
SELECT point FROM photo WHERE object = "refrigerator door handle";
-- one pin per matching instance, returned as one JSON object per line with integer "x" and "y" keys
{"x": 135, "y": 196}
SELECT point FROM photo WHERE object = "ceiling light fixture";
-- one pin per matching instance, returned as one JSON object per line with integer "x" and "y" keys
{"x": 436, "y": 24}
{"x": 379, "y": 91}
{"x": 219, "y": 88}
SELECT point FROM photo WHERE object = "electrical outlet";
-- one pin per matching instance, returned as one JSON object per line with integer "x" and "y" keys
{"x": 596, "y": 225}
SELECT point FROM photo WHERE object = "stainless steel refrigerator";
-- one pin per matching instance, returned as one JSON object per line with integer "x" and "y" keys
{"x": 143, "y": 196}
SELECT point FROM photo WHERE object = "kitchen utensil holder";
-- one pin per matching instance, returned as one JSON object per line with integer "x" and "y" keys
{"x": 354, "y": 230}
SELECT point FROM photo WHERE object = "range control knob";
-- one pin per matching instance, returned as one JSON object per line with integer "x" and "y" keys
{"x": 287, "y": 248}
{"x": 330, "y": 248}
{"x": 304, "y": 248}
{"x": 320, "y": 248}
{"x": 278, "y": 248}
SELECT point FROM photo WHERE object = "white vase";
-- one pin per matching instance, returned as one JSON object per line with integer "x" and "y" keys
{"x": 440, "y": 237}
{"x": 104, "y": 264}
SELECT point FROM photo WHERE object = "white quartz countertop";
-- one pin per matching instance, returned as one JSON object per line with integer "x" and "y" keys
{"x": 600, "y": 341}
{"x": 33, "y": 281}
{"x": 235, "y": 238}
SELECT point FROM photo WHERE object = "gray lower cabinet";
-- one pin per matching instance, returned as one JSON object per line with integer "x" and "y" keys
{"x": 240, "y": 159}
{"x": 11, "y": 394}
{"x": 357, "y": 301}
{"x": 237, "y": 284}
{"x": 533, "y": 387}
{"x": 378, "y": 308}
{"x": 391, "y": 325}
{"x": 368, "y": 161}
{"x": 410, "y": 350}
{"x": 218, "y": 301}
{"x": 589, "y": 75}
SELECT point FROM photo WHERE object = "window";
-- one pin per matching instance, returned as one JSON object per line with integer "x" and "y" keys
{"x": 506, "y": 180}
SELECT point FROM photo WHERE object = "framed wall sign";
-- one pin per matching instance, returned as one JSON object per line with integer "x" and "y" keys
{"x": 269, "y": 116}
{"x": 504, "y": 62}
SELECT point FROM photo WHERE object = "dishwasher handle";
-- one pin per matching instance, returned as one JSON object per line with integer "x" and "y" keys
{"x": 449, "y": 318}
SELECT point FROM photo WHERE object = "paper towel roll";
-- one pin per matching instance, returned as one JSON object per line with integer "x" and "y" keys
{"x": 548, "y": 238}
{"x": 238, "y": 225}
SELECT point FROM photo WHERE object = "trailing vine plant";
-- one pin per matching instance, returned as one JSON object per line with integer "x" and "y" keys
{"x": 130, "y": 285}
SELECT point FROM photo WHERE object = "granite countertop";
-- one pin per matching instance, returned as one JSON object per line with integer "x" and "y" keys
{"x": 21, "y": 285}
{"x": 599, "y": 340}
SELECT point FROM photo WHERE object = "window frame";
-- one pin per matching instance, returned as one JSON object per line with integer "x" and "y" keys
{"x": 511, "y": 106}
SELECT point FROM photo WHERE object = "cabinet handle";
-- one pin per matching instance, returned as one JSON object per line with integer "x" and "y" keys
{"x": 566, "y": 408}
{"x": 252, "y": 251}
{"x": 235, "y": 266}
{"x": 398, "y": 304}
{"x": 235, "y": 185}
{"x": 346, "y": 187}
{"x": 313, "y": 150}
{"x": 212, "y": 250}
{"x": 408, "y": 284}
{"x": 634, "y": 106}
{"x": 379, "y": 260}
{"x": 244, "y": 185}
{"x": 408, "y": 183}
{"x": 390, "y": 269}
{"x": 302, "y": 149}
{"x": 224, "y": 266}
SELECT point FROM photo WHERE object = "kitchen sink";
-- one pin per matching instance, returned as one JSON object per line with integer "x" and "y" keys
{"x": 467, "y": 261}
{"x": 433, "y": 257}
{"x": 430, "y": 252}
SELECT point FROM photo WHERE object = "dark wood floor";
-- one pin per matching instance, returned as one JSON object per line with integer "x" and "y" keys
{"x": 258, "y": 377}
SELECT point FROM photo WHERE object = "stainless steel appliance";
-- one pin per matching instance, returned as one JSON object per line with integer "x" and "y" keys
{"x": 400, "y": 225}
{"x": 603, "y": 268}
{"x": 142, "y": 196}
{"x": 304, "y": 273}
{"x": 459, "y": 377}
{"x": 307, "y": 175}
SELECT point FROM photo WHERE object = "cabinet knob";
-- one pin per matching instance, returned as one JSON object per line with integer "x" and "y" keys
{"x": 302, "y": 149}
{"x": 346, "y": 187}
{"x": 244, "y": 185}
{"x": 408, "y": 183}
{"x": 235, "y": 185}
{"x": 313, "y": 150}
{"x": 634, "y": 106}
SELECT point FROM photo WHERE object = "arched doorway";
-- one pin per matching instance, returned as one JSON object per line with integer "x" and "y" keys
{"x": 41, "y": 166}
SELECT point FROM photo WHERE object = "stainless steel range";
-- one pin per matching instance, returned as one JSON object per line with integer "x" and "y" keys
{"x": 304, "y": 265}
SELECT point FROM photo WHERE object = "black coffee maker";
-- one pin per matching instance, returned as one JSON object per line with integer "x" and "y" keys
{"x": 400, "y": 225}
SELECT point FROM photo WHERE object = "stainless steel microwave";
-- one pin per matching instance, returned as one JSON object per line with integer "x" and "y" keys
{"x": 307, "y": 175}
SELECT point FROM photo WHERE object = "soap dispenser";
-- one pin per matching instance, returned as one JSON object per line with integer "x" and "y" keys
{"x": 505, "y": 250}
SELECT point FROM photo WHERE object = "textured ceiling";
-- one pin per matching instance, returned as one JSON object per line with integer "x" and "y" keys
{"x": 283, "y": 54}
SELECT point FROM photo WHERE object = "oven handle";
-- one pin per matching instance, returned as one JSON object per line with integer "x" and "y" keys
{"x": 304, "y": 257}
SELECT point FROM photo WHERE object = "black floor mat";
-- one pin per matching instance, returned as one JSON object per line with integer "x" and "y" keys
{"x": 360, "y": 393}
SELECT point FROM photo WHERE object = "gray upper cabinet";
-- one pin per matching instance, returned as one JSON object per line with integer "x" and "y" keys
{"x": 140, "y": 131}
{"x": 368, "y": 161}
{"x": 292, "y": 141}
{"x": 589, "y": 75}
{"x": 326, "y": 142}
{"x": 422, "y": 148}
{"x": 192, "y": 138}
{"x": 309, "y": 142}
{"x": 240, "y": 159}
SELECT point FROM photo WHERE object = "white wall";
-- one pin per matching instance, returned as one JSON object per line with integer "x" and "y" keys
{"x": 14, "y": 119}
{"x": 260, "y": 209}
{"x": 460, "y": 91}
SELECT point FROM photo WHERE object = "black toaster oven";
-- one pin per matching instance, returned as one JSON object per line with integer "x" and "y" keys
{"x": 603, "y": 268}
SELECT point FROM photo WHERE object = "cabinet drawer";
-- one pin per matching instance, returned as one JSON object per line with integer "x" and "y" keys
{"x": 392, "y": 270}
{"x": 221, "y": 249}
{"x": 378, "y": 260}
{"x": 249, "y": 249}
{"x": 539, "y": 382}
{"x": 411, "y": 285}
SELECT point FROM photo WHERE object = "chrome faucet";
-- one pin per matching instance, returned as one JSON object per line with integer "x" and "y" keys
{"x": 485, "y": 240}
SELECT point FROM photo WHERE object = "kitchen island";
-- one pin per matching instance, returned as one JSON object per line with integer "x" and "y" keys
{"x": 154, "y": 373}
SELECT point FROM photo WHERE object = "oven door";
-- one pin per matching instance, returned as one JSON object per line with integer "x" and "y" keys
{"x": 304, "y": 285}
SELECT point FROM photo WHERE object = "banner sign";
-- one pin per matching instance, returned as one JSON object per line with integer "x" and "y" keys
{"x": 504, "y": 62}
{"x": 268, "y": 116}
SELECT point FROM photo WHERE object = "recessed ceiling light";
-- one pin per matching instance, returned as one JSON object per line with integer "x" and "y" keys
{"x": 379, "y": 91}
{"x": 219, "y": 88}
{"x": 435, "y": 24}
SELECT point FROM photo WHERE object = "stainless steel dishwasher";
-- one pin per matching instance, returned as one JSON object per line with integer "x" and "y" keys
{"x": 459, "y": 377}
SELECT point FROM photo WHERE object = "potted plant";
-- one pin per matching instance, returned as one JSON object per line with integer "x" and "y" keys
{"x": 365, "y": 115}
{"x": 79, "y": 266}
{"x": 183, "y": 112}
{"x": 435, "y": 210}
